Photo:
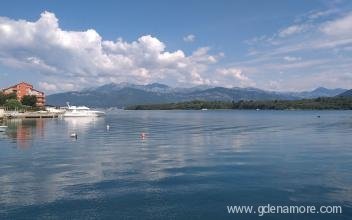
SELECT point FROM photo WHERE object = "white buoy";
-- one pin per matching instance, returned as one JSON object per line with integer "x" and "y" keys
{"x": 107, "y": 127}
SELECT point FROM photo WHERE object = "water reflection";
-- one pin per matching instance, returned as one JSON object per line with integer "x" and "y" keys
{"x": 82, "y": 123}
{"x": 206, "y": 158}
{"x": 24, "y": 130}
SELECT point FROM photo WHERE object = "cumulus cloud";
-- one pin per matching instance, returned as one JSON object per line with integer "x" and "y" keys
{"x": 189, "y": 38}
{"x": 234, "y": 77}
{"x": 75, "y": 59}
{"x": 47, "y": 86}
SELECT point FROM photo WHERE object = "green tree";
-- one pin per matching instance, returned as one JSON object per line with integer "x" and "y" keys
{"x": 2, "y": 98}
{"x": 13, "y": 104}
{"x": 29, "y": 100}
{"x": 11, "y": 96}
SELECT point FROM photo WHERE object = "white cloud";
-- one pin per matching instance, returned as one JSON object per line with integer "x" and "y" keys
{"x": 341, "y": 27}
{"x": 319, "y": 14}
{"x": 76, "y": 59}
{"x": 47, "y": 86}
{"x": 70, "y": 60}
{"x": 320, "y": 43}
{"x": 234, "y": 77}
{"x": 61, "y": 86}
{"x": 189, "y": 38}
{"x": 292, "y": 59}
{"x": 291, "y": 30}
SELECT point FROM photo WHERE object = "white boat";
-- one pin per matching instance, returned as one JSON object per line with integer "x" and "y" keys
{"x": 54, "y": 110}
{"x": 81, "y": 111}
{"x": 3, "y": 128}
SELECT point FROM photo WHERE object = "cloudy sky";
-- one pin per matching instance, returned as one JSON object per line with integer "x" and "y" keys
{"x": 275, "y": 45}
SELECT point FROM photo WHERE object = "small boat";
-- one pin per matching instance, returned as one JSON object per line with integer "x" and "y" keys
{"x": 81, "y": 111}
{"x": 204, "y": 109}
{"x": 3, "y": 128}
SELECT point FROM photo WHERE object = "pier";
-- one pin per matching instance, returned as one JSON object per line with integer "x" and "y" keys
{"x": 24, "y": 115}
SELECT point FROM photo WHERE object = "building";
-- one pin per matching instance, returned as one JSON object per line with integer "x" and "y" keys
{"x": 23, "y": 89}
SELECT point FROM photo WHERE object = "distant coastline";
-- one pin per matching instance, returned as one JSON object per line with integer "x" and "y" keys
{"x": 125, "y": 94}
{"x": 323, "y": 103}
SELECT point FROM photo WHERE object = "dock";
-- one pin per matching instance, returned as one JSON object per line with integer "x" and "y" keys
{"x": 24, "y": 115}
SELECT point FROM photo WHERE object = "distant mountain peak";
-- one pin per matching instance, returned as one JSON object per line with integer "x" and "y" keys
{"x": 157, "y": 85}
{"x": 320, "y": 89}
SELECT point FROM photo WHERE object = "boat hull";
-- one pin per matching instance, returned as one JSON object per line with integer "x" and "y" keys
{"x": 84, "y": 114}
{"x": 81, "y": 111}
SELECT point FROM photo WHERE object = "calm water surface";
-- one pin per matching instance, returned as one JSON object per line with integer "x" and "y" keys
{"x": 191, "y": 165}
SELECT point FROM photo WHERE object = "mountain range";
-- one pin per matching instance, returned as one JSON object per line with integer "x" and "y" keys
{"x": 125, "y": 94}
{"x": 347, "y": 93}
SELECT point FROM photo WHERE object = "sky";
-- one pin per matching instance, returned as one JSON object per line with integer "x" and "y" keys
{"x": 291, "y": 45}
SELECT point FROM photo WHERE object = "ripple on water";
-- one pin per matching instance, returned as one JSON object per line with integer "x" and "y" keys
{"x": 190, "y": 165}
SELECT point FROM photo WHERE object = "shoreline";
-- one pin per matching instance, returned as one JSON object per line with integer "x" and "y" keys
{"x": 335, "y": 103}
{"x": 229, "y": 109}
{"x": 24, "y": 115}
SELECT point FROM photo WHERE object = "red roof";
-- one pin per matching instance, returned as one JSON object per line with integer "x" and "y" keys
{"x": 17, "y": 85}
{"x": 23, "y": 83}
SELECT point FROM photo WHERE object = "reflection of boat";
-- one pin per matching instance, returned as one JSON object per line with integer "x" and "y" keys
{"x": 3, "y": 128}
{"x": 81, "y": 111}
{"x": 74, "y": 135}
{"x": 81, "y": 123}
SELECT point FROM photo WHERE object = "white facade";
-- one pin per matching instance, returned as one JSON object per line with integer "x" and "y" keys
{"x": 2, "y": 112}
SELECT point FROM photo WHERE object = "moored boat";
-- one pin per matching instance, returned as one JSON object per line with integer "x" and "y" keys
{"x": 81, "y": 111}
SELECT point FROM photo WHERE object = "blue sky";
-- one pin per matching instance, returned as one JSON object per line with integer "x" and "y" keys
{"x": 274, "y": 45}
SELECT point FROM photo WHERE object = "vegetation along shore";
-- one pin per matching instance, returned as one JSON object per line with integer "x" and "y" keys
{"x": 334, "y": 103}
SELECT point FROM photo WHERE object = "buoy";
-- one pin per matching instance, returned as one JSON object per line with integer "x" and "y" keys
{"x": 318, "y": 116}
{"x": 73, "y": 135}
{"x": 143, "y": 135}
{"x": 107, "y": 127}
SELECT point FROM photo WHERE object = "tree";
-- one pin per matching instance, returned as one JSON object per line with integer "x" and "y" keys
{"x": 13, "y": 104}
{"x": 29, "y": 100}
{"x": 11, "y": 96}
{"x": 2, "y": 99}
